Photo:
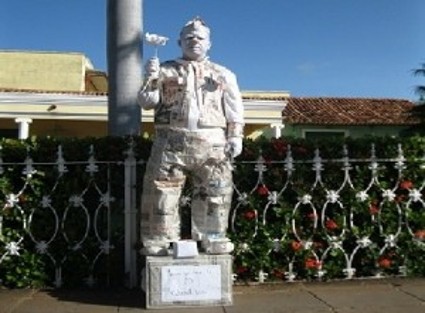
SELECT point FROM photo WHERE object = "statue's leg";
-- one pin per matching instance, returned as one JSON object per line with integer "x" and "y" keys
{"x": 211, "y": 206}
{"x": 160, "y": 220}
{"x": 219, "y": 190}
{"x": 199, "y": 206}
{"x": 210, "y": 173}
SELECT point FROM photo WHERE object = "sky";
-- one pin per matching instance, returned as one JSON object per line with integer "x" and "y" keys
{"x": 310, "y": 48}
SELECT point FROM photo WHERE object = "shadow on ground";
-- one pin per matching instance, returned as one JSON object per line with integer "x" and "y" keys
{"x": 118, "y": 297}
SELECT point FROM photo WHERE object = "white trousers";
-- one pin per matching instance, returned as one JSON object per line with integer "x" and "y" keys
{"x": 175, "y": 156}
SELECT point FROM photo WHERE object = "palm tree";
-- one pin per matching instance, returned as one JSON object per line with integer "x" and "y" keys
{"x": 124, "y": 28}
{"x": 419, "y": 110}
{"x": 420, "y": 90}
{"x": 124, "y": 54}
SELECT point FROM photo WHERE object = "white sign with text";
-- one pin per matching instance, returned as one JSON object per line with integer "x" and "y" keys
{"x": 190, "y": 283}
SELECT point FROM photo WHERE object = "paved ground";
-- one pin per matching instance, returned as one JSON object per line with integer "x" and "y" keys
{"x": 366, "y": 296}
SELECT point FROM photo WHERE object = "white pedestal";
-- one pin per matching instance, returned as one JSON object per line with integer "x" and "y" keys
{"x": 174, "y": 283}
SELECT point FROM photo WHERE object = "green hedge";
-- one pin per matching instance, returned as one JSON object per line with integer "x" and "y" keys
{"x": 30, "y": 268}
{"x": 281, "y": 237}
{"x": 285, "y": 243}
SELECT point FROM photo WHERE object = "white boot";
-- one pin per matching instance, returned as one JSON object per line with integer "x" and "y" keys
{"x": 218, "y": 245}
{"x": 155, "y": 249}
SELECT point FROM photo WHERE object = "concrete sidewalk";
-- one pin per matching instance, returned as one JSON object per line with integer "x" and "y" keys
{"x": 365, "y": 296}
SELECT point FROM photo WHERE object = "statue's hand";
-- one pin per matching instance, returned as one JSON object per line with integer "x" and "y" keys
{"x": 152, "y": 68}
{"x": 234, "y": 146}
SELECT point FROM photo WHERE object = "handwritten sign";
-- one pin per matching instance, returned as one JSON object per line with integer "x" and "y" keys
{"x": 190, "y": 283}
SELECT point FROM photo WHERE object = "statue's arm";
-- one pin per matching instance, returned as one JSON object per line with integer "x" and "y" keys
{"x": 233, "y": 106}
{"x": 149, "y": 95}
{"x": 234, "y": 111}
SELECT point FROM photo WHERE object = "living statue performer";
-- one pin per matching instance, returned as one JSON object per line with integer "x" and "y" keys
{"x": 198, "y": 129}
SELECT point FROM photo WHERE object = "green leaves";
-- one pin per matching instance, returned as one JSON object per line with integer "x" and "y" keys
{"x": 297, "y": 222}
{"x": 323, "y": 228}
{"x": 23, "y": 271}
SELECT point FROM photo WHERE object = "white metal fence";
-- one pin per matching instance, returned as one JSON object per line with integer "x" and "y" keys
{"x": 91, "y": 233}
{"x": 329, "y": 218}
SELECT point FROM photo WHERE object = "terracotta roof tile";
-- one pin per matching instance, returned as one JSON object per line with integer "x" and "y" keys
{"x": 91, "y": 91}
{"x": 349, "y": 111}
{"x": 65, "y": 92}
{"x": 315, "y": 110}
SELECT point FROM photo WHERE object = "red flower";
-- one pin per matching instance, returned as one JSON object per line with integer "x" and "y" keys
{"x": 267, "y": 160}
{"x": 262, "y": 190}
{"x": 279, "y": 146}
{"x": 384, "y": 262}
{"x": 301, "y": 150}
{"x": 278, "y": 273}
{"x": 312, "y": 264}
{"x": 420, "y": 234}
{"x": 241, "y": 270}
{"x": 331, "y": 224}
{"x": 392, "y": 254}
{"x": 22, "y": 199}
{"x": 311, "y": 216}
{"x": 406, "y": 184}
{"x": 247, "y": 153}
{"x": 250, "y": 215}
{"x": 296, "y": 245}
{"x": 373, "y": 209}
{"x": 400, "y": 198}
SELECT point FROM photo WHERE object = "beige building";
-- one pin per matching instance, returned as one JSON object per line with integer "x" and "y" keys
{"x": 61, "y": 94}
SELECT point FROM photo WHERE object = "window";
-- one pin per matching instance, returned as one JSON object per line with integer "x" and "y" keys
{"x": 9, "y": 133}
{"x": 324, "y": 134}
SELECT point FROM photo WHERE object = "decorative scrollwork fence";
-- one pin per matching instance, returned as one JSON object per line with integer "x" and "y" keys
{"x": 333, "y": 218}
{"x": 336, "y": 218}
{"x": 72, "y": 218}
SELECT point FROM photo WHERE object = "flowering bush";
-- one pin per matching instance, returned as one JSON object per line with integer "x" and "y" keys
{"x": 301, "y": 211}
{"x": 325, "y": 212}
{"x": 51, "y": 223}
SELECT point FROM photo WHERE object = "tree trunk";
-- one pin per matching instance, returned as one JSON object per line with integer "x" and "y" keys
{"x": 124, "y": 54}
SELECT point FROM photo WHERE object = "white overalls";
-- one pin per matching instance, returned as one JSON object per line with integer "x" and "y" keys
{"x": 199, "y": 107}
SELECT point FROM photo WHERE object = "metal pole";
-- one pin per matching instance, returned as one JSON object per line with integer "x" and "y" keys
{"x": 130, "y": 223}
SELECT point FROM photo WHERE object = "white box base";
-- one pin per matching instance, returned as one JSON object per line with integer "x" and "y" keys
{"x": 185, "y": 249}
{"x": 205, "y": 280}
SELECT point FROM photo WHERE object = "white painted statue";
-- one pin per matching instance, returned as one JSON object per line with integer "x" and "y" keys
{"x": 198, "y": 129}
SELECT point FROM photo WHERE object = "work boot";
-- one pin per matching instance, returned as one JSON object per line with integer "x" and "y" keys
{"x": 218, "y": 246}
{"x": 155, "y": 249}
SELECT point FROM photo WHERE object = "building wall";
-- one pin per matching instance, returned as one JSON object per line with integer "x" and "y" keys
{"x": 49, "y": 88}
{"x": 67, "y": 128}
{"x": 59, "y": 128}
{"x": 43, "y": 70}
{"x": 72, "y": 128}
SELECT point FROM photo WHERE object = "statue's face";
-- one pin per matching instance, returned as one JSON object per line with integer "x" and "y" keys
{"x": 195, "y": 43}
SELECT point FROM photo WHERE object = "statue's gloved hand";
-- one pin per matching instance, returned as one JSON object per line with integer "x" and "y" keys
{"x": 234, "y": 146}
{"x": 152, "y": 68}
{"x": 148, "y": 96}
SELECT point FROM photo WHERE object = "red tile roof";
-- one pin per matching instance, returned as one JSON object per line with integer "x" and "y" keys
{"x": 91, "y": 90}
{"x": 349, "y": 111}
{"x": 64, "y": 92}
{"x": 315, "y": 110}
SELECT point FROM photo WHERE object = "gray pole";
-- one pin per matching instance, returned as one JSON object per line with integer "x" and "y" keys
{"x": 124, "y": 53}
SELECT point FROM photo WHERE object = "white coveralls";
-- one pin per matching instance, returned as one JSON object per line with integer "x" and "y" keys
{"x": 199, "y": 107}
